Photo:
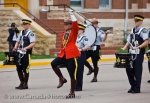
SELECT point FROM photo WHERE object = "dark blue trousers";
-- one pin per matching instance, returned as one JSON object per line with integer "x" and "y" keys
{"x": 80, "y": 70}
{"x": 149, "y": 66}
{"x": 135, "y": 74}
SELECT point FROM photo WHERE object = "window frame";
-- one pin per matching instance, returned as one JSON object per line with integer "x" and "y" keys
{"x": 78, "y": 8}
{"x": 106, "y": 8}
{"x": 75, "y": 1}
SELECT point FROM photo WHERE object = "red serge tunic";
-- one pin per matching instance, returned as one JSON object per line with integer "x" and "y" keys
{"x": 69, "y": 48}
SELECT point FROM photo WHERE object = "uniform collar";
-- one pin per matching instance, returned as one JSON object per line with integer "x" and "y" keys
{"x": 26, "y": 30}
{"x": 136, "y": 29}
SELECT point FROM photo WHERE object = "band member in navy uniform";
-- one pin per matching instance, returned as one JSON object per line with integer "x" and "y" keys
{"x": 137, "y": 40}
{"x": 68, "y": 54}
{"x": 81, "y": 60}
{"x": 13, "y": 34}
{"x": 25, "y": 43}
{"x": 94, "y": 51}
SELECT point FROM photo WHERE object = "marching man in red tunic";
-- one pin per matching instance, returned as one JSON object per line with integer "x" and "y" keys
{"x": 68, "y": 54}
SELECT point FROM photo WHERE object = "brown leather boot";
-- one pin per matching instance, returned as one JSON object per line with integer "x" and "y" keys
{"x": 72, "y": 93}
{"x": 94, "y": 80}
{"x": 89, "y": 67}
{"x": 90, "y": 72}
{"x": 61, "y": 82}
{"x": 21, "y": 78}
{"x": 95, "y": 75}
{"x": 70, "y": 96}
{"x": 20, "y": 86}
{"x": 25, "y": 86}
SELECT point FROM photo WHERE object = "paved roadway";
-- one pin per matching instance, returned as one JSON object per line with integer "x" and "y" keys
{"x": 111, "y": 87}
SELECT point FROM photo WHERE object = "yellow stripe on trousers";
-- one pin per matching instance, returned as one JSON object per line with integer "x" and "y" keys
{"x": 76, "y": 64}
{"x": 27, "y": 69}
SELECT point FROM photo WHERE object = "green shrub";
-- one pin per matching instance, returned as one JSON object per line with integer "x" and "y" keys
{"x": 33, "y": 56}
{"x": 2, "y": 56}
{"x": 119, "y": 50}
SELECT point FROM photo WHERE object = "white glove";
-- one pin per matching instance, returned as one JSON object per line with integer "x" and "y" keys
{"x": 72, "y": 16}
{"x": 70, "y": 10}
{"x": 21, "y": 52}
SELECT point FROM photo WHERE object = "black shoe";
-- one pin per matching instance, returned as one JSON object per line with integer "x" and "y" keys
{"x": 94, "y": 80}
{"x": 78, "y": 89}
{"x": 61, "y": 83}
{"x": 20, "y": 86}
{"x": 70, "y": 96}
{"x": 24, "y": 86}
{"x": 90, "y": 72}
{"x": 148, "y": 81}
{"x": 130, "y": 90}
{"x": 136, "y": 91}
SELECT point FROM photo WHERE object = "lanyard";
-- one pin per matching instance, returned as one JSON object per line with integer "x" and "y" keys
{"x": 22, "y": 37}
{"x": 66, "y": 38}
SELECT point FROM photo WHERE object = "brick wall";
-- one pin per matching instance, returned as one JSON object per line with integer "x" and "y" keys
{"x": 43, "y": 15}
{"x": 89, "y": 4}
{"x": 57, "y": 2}
{"x": 54, "y": 24}
{"x": 142, "y": 3}
{"x": 42, "y": 2}
{"x": 105, "y": 15}
{"x": 118, "y": 4}
{"x": 114, "y": 15}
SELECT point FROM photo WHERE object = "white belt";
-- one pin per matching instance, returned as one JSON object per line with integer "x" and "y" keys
{"x": 135, "y": 51}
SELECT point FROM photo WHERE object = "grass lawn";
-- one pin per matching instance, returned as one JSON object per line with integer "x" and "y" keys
{"x": 33, "y": 56}
{"x": 2, "y": 56}
{"x": 119, "y": 50}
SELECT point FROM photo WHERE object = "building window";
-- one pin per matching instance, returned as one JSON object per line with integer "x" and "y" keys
{"x": 76, "y": 3}
{"x": 105, "y": 4}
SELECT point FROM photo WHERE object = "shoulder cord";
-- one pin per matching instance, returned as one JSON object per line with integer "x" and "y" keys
{"x": 133, "y": 37}
{"x": 66, "y": 38}
{"x": 22, "y": 43}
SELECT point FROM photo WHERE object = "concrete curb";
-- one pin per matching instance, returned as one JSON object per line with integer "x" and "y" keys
{"x": 46, "y": 62}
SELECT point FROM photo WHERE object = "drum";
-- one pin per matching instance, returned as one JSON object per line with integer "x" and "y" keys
{"x": 148, "y": 54}
{"x": 123, "y": 60}
{"x": 9, "y": 58}
{"x": 90, "y": 33}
